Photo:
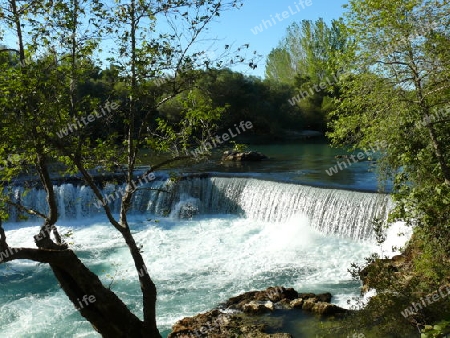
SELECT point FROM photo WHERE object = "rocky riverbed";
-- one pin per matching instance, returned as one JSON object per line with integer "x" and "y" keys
{"x": 246, "y": 315}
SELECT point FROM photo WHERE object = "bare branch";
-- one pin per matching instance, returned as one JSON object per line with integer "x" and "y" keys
{"x": 25, "y": 209}
{"x": 436, "y": 90}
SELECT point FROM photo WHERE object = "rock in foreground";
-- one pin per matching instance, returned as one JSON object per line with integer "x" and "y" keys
{"x": 238, "y": 317}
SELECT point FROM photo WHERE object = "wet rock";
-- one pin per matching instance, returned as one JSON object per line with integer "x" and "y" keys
{"x": 308, "y": 304}
{"x": 324, "y": 297}
{"x": 211, "y": 322}
{"x": 232, "y": 155}
{"x": 284, "y": 304}
{"x": 215, "y": 324}
{"x": 257, "y": 307}
{"x": 273, "y": 294}
{"x": 296, "y": 303}
{"x": 323, "y": 308}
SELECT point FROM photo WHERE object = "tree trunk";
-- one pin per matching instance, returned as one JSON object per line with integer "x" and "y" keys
{"x": 148, "y": 288}
{"x": 16, "y": 18}
{"x": 106, "y": 312}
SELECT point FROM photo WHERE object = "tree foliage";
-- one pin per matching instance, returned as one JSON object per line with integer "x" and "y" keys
{"x": 397, "y": 92}
{"x": 306, "y": 60}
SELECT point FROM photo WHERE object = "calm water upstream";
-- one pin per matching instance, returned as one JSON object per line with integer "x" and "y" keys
{"x": 300, "y": 163}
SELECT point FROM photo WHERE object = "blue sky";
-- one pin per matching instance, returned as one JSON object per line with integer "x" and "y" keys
{"x": 236, "y": 26}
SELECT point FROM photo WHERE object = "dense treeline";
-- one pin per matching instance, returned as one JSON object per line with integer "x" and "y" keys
{"x": 264, "y": 102}
{"x": 306, "y": 59}
{"x": 289, "y": 99}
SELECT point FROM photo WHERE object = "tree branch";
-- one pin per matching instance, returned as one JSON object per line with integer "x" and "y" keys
{"x": 163, "y": 163}
{"x": 25, "y": 209}
{"x": 56, "y": 257}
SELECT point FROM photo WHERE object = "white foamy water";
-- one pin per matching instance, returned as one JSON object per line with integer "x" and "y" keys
{"x": 196, "y": 264}
{"x": 224, "y": 236}
{"x": 331, "y": 211}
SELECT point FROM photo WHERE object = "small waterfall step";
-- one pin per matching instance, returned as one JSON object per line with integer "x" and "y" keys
{"x": 343, "y": 212}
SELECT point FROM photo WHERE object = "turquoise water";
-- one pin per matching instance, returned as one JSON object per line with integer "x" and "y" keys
{"x": 196, "y": 264}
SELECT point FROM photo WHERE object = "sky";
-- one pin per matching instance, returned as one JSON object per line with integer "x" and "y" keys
{"x": 237, "y": 27}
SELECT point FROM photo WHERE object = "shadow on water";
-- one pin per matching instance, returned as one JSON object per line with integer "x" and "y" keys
{"x": 298, "y": 323}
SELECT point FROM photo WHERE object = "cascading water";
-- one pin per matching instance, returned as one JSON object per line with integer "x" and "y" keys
{"x": 346, "y": 213}
{"x": 203, "y": 239}
{"x": 342, "y": 212}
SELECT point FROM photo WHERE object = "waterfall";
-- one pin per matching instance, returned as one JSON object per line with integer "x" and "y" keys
{"x": 342, "y": 212}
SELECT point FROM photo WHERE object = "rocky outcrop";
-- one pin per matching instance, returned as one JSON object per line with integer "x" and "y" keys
{"x": 232, "y": 155}
{"x": 217, "y": 324}
{"x": 240, "y": 315}
{"x": 257, "y": 302}
{"x": 397, "y": 265}
{"x": 256, "y": 306}
{"x": 273, "y": 294}
{"x": 319, "y": 304}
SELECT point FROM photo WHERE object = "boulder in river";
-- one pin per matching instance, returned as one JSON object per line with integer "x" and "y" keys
{"x": 232, "y": 155}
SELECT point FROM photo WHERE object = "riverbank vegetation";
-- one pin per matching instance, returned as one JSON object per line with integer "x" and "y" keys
{"x": 397, "y": 78}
